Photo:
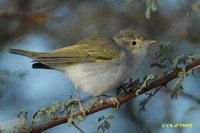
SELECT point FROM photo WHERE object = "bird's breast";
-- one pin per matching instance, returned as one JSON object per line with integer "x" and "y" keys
{"x": 98, "y": 78}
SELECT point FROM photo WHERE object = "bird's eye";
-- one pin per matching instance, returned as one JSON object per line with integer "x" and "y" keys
{"x": 134, "y": 43}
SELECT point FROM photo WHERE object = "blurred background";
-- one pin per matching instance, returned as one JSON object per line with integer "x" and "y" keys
{"x": 44, "y": 25}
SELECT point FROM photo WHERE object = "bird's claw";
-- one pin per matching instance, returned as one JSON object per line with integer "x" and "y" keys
{"x": 83, "y": 109}
{"x": 116, "y": 102}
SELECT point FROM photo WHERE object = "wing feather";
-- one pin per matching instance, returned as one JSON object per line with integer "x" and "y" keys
{"x": 88, "y": 50}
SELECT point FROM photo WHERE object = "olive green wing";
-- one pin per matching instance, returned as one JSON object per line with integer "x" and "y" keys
{"x": 100, "y": 48}
{"x": 88, "y": 50}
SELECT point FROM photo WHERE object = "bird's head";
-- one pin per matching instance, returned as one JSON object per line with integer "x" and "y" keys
{"x": 132, "y": 41}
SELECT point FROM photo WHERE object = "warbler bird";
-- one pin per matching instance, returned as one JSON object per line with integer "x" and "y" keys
{"x": 96, "y": 65}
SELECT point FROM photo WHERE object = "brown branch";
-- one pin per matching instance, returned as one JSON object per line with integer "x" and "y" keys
{"x": 159, "y": 82}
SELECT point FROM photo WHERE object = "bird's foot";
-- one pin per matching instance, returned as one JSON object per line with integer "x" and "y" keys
{"x": 83, "y": 109}
{"x": 116, "y": 102}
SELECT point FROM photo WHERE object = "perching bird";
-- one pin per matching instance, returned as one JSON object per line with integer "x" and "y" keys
{"x": 96, "y": 65}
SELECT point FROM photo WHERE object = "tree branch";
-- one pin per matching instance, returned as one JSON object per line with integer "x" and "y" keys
{"x": 159, "y": 82}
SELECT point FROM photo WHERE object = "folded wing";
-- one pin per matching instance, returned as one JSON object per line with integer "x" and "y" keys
{"x": 88, "y": 50}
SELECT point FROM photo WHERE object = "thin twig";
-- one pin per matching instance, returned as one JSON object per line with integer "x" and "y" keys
{"x": 189, "y": 96}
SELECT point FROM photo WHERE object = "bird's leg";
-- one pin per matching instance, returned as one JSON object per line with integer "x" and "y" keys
{"x": 115, "y": 101}
{"x": 82, "y": 109}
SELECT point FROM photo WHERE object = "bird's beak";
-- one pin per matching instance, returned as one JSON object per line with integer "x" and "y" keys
{"x": 152, "y": 41}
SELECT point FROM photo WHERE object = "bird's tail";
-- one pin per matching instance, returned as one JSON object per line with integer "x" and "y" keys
{"x": 23, "y": 52}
